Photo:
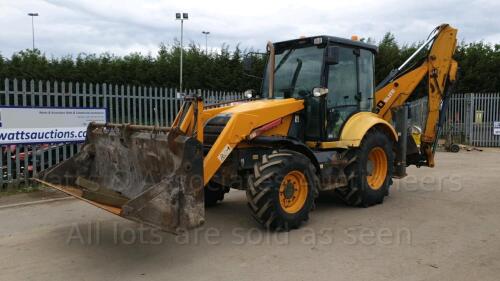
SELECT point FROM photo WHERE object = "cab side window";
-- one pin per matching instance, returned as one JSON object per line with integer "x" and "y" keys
{"x": 342, "y": 91}
{"x": 366, "y": 82}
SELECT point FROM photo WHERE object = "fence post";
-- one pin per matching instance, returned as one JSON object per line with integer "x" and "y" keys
{"x": 471, "y": 119}
{"x": 150, "y": 120}
{"x": 6, "y": 85}
{"x": 110, "y": 102}
{"x": 176, "y": 104}
{"x": 5, "y": 93}
{"x": 104, "y": 91}
{"x": 496, "y": 117}
{"x": 56, "y": 104}
{"x": 140, "y": 91}
{"x": 7, "y": 147}
{"x": 73, "y": 100}
{"x": 129, "y": 117}
{"x": 16, "y": 155}
{"x": 159, "y": 102}
{"x": 84, "y": 94}
{"x": 25, "y": 148}
{"x": 116, "y": 99}
{"x": 122, "y": 104}
{"x": 134, "y": 104}
{"x": 41, "y": 93}
{"x": 171, "y": 95}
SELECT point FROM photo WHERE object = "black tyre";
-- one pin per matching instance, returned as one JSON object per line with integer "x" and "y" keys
{"x": 370, "y": 171}
{"x": 454, "y": 148}
{"x": 282, "y": 190}
{"x": 214, "y": 193}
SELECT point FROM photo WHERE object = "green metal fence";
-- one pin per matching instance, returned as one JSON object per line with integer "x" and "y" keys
{"x": 470, "y": 118}
{"x": 125, "y": 103}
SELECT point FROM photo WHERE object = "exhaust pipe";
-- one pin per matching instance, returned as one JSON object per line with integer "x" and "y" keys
{"x": 271, "y": 67}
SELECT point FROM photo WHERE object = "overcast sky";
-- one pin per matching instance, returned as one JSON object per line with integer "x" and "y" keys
{"x": 120, "y": 27}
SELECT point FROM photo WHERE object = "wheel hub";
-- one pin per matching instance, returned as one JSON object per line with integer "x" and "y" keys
{"x": 369, "y": 167}
{"x": 289, "y": 190}
{"x": 376, "y": 168}
{"x": 293, "y": 192}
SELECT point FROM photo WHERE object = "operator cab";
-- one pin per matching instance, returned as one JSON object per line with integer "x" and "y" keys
{"x": 344, "y": 67}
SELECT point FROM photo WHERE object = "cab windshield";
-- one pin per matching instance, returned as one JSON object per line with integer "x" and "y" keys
{"x": 297, "y": 71}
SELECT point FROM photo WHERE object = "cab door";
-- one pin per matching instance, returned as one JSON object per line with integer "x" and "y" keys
{"x": 350, "y": 88}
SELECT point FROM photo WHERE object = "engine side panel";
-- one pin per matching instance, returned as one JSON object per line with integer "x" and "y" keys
{"x": 355, "y": 129}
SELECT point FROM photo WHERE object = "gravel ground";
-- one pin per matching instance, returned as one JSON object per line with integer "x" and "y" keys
{"x": 437, "y": 224}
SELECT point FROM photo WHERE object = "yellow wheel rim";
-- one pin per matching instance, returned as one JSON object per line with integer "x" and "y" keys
{"x": 376, "y": 168}
{"x": 293, "y": 192}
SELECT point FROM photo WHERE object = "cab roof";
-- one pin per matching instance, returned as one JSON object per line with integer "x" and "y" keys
{"x": 307, "y": 41}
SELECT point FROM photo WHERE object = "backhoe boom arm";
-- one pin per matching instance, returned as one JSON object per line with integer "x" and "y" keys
{"x": 439, "y": 68}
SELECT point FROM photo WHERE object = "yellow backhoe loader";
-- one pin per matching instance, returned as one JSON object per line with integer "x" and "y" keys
{"x": 319, "y": 125}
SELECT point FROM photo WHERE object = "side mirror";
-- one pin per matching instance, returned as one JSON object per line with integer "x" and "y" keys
{"x": 247, "y": 63}
{"x": 320, "y": 91}
{"x": 332, "y": 55}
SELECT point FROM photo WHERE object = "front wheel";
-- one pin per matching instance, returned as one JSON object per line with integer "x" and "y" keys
{"x": 370, "y": 171}
{"x": 282, "y": 190}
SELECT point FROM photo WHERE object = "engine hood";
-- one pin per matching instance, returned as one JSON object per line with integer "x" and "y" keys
{"x": 269, "y": 107}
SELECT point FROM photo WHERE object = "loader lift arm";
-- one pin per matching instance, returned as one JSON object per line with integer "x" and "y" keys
{"x": 238, "y": 128}
{"x": 437, "y": 68}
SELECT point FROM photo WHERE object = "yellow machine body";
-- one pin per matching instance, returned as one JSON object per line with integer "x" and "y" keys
{"x": 355, "y": 129}
{"x": 157, "y": 175}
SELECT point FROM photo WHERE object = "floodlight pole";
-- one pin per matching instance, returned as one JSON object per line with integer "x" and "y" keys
{"x": 33, "y": 15}
{"x": 206, "y": 33}
{"x": 182, "y": 50}
{"x": 181, "y": 17}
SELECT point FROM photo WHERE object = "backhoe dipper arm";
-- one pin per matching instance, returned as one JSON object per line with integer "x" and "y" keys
{"x": 438, "y": 67}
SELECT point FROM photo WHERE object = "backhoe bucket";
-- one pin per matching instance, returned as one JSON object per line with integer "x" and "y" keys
{"x": 147, "y": 174}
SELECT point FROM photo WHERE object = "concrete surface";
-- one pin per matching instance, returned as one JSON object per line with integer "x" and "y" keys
{"x": 437, "y": 224}
{"x": 40, "y": 195}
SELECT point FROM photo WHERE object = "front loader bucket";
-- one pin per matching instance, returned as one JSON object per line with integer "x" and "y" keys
{"x": 147, "y": 174}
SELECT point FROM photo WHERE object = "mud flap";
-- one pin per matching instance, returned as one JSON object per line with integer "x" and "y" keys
{"x": 150, "y": 175}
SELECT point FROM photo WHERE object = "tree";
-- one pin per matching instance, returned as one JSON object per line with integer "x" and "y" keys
{"x": 387, "y": 58}
{"x": 223, "y": 70}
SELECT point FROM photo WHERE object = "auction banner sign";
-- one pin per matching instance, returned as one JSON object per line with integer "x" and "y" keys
{"x": 28, "y": 125}
{"x": 496, "y": 128}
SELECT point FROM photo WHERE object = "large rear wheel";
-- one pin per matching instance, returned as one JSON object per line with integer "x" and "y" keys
{"x": 282, "y": 190}
{"x": 370, "y": 172}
